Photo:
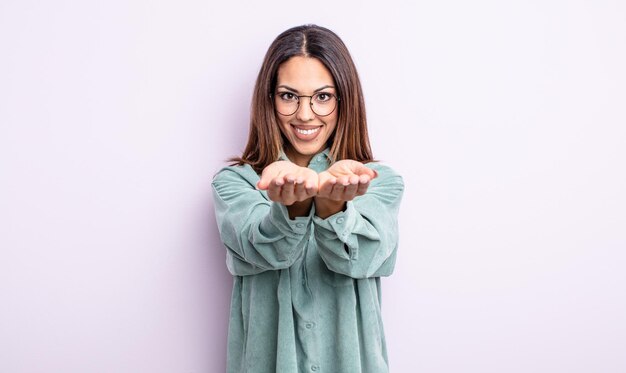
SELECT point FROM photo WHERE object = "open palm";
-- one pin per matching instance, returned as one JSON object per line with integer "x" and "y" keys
{"x": 344, "y": 180}
{"x": 288, "y": 183}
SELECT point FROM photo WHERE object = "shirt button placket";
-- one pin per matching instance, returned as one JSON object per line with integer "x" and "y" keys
{"x": 310, "y": 326}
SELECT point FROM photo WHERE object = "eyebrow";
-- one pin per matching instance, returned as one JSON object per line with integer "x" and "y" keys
{"x": 296, "y": 91}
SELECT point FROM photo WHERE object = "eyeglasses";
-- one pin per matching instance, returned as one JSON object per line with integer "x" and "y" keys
{"x": 322, "y": 103}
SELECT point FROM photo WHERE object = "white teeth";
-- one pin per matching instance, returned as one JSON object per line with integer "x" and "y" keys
{"x": 308, "y": 132}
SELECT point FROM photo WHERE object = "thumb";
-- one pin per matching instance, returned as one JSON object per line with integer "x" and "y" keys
{"x": 360, "y": 169}
{"x": 267, "y": 175}
{"x": 263, "y": 184}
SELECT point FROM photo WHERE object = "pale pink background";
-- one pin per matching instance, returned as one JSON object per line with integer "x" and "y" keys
{"x": 506, "y": 119}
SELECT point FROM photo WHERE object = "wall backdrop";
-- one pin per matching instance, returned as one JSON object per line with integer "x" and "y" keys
{"x": 506, "y": 120}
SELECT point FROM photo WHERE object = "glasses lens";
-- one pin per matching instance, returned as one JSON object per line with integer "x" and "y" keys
{"x": 286, "y": 103}
{"x": 323, "y": 104}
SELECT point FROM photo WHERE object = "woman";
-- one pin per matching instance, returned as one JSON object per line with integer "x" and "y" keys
{"x": 308, "y": 219}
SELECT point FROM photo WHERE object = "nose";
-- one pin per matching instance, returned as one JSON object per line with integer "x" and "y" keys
{"x": 305, "y": 112}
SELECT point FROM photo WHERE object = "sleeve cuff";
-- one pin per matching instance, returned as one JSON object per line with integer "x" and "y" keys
{"x": 279, "y": 216}
{"x": 342, "y": 223}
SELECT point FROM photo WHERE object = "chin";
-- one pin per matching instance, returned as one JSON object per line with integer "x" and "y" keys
{"x": 309, "y": 150}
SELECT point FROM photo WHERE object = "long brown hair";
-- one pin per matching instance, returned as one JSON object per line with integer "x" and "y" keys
{"x": 350, "y": 139}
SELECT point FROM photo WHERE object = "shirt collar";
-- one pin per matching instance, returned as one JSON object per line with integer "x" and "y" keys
{"x": 323, "y": 156}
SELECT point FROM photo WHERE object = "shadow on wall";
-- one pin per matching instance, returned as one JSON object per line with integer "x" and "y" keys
{"x": 232, "y": 119}
{"x": 217, "y": 288}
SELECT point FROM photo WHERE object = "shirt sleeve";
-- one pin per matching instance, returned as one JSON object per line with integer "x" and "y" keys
{"x": 257, "y": 233}
{"x": 362, "y": 240}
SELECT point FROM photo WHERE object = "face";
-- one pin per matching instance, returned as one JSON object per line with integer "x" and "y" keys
{"x": 306, "y": 132}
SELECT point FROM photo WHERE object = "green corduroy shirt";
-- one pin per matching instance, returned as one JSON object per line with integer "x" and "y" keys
{"x": 306, "y": 293}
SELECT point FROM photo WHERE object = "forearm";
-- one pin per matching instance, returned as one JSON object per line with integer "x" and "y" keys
{"x": 325, "y": 207}
{"x": 258, "y": 234}
{"x": 301, "y": 208}
{"x": 360, "y": 241}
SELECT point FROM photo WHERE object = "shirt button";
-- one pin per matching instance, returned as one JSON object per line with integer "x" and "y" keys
{"x": 315, "y": 368}
{"x": 309, "y": 325}
{"x": 300, "y": 225}
{"x": 340, "y": 220}
{"x": 319, "y": 158}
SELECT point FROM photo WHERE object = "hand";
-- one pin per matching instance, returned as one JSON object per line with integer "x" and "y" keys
{"x": 345, "y": 180}
{"x": 288, "y": 183}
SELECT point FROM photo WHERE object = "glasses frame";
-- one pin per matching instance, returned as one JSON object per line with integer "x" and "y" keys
{"x": 274, "y": 95}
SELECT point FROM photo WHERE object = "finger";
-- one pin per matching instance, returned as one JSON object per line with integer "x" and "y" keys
{"x": 349, "y": 191}
{"x": 361, "y": 169}
{"x": 337, "y": 192}
{"x": 306, "y": 186}
{"x": 298, "y": 187}
{"x": 310, "y": 182}
{"x": 267, "y": 176}
{"x": 343, "y": 180}
{"x": 274, "y": 189}
{"x": 310, "y": 188}
{"x": 362, "y": 188}
{"x": 326, "y": 187}
{"x": 310, "y": 179}
{"x": 363, "y": 179}
{"x": 290, "y": 178}
{"x": 300, "y": 192}
{"x": 286, "y": 194}
{"x": 264, "y": 182}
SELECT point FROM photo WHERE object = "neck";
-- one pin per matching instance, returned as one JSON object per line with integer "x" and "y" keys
{"x": 299, "y": 159}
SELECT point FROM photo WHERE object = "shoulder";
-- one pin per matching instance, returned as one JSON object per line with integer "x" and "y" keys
{"x": 386, "y": 175}
{"x": 382, "y": 168}
{"x": 236, "y": 174}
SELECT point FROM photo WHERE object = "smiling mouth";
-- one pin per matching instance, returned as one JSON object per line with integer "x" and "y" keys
{"x": 306, "y": 133}
{"x": 309, "y": 131}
